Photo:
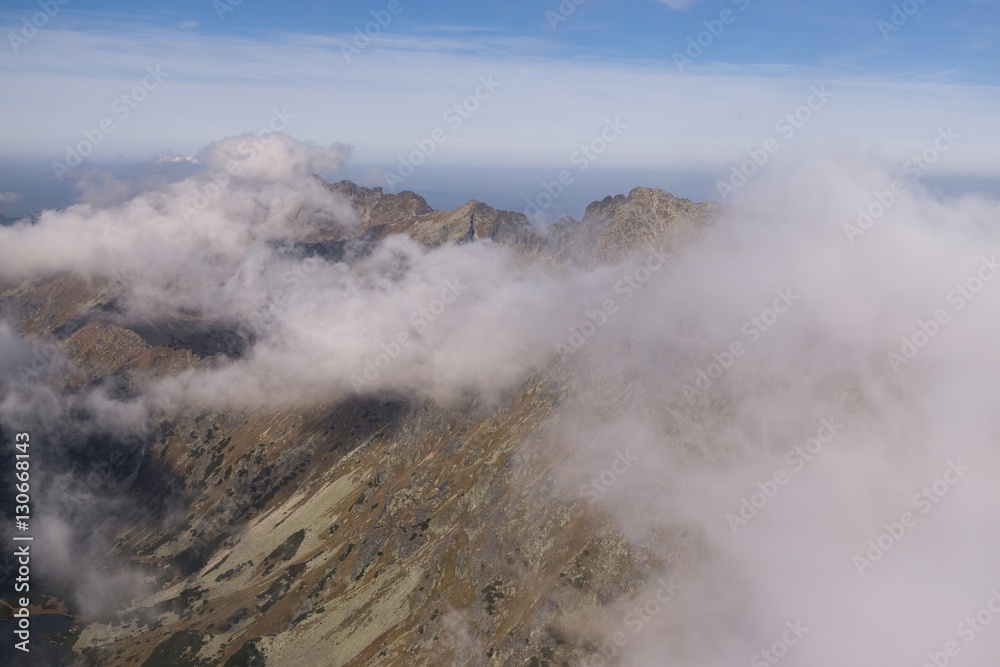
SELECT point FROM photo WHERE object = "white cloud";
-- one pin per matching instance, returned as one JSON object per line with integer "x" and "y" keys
{"x": 693, "y": 462}
{"x": 202, "y": 218}
{"x": 276, "y": 158}
{"x": 7, "y": 198}
{"x": 222, "y": 247}
{"x": 699, "y": 119}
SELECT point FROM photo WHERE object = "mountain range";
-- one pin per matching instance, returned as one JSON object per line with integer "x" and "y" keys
{"x": 366, "y": 528}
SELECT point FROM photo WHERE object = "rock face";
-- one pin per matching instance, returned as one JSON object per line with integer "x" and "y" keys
{"x": 611, "y": 229}
{"x": 618, "y": 226}
{"x": 361, "y": 530}
{"x": 408, "y": 213}
{"x": 377, "y": 209}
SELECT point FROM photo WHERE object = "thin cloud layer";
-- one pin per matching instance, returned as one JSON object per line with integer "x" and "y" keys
{"x": 698, "y": 118}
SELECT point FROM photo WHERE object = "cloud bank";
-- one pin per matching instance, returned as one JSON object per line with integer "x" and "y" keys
{"x": 813, "y": 405}
{"x": 807, "y": 391}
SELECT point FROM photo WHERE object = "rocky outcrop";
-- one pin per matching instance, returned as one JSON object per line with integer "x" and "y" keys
{"x": 611, "y": 229}
{"x": 407, "y": 213}
{"x": 377, "y": 209}
{"x": 618, "y": 226}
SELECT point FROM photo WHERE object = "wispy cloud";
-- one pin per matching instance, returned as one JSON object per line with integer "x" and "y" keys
{"x": 221, "y": 85}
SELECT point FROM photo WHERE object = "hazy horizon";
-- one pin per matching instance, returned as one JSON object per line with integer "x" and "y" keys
{"x": 509, "y": 188}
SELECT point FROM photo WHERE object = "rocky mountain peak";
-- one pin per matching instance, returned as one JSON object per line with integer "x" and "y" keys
{"x": 619, "y": 225}
{"x": 610, "y": 229}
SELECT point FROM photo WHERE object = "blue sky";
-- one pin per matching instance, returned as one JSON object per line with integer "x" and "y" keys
{"x": 943, "y": 35}
{"x": 561, "y": 75}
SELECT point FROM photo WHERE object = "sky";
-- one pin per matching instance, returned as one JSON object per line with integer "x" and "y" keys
{"x": 691, "y": 85}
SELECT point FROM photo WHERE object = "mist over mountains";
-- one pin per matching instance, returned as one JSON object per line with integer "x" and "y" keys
{"x": 285, "y": 421}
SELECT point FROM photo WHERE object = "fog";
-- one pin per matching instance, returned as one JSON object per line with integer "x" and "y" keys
{"x": 836, "y": 465}
{"x": 811, "y": 397}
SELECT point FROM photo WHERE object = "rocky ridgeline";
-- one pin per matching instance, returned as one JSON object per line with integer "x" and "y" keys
{"x": 610, "y": 230}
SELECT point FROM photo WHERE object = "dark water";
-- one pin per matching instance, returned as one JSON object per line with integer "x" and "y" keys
{"x": 43, "y": 653}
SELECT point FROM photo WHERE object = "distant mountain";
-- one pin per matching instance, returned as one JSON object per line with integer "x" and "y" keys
{"x": 610, "y": 230}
